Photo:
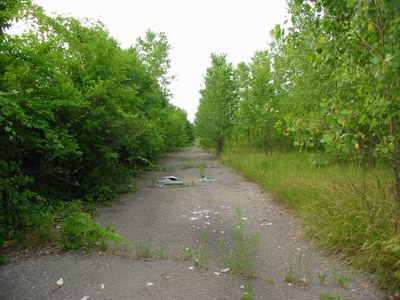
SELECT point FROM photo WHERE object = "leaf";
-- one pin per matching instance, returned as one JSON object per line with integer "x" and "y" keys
{"x": 388, "y": 57}
{"x": 350, "y": 3}
{"x": 298, "y": 2}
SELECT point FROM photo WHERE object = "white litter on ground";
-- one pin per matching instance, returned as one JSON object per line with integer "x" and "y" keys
{"x": 150, "y": 283}
{"x": 225, "y": 270}
{"x": 60, "y": 282}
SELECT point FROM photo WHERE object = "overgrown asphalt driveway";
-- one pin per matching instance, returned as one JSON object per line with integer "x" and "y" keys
{"x": 181, "y": 224}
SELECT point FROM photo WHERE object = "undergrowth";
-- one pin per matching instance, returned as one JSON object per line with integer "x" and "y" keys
{"x": 69, "y": 225}
{"x": 347, "y": 209}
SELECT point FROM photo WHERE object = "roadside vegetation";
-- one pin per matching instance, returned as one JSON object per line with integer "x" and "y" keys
{"x": 80, "y": 117}
{"x": 314, "y": 118}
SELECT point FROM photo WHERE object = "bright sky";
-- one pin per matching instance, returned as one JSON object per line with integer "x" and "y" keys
{"x": 193, "y": 28}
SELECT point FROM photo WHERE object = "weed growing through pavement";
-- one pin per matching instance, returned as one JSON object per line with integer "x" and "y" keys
{"x": 153, "y": 179}
{"x": 323, "y": 296}
{"x": 296, "y": 271}
{"x": 339, "y": 280}
{"x": 342, "y": 281}
{"x": 222, "y": 253}
{"x": 248, "y": 292}
{"x": 243, "y": 258}
{"x": 187, "y": 253}
{"x": 161, "y": 253}
{"x": 201, "y": 261}
{"x": 322, "y": 279}
{"x": 270, "y": 280}
{"x": 144, "y": 251}
{"x": 202, "y": 168}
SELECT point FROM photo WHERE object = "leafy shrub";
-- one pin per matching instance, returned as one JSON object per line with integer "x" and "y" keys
{"x": 80, "y": 231}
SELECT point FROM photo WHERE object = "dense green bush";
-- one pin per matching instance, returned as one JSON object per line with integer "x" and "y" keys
{"x": 80, "y": 231}
{"x": 79, "y": 116}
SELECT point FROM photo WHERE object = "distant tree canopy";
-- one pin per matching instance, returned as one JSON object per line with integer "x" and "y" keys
{"x": 79, "y": 116}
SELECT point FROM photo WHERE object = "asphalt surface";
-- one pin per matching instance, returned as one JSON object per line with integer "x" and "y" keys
{"x": 175, "y": 222}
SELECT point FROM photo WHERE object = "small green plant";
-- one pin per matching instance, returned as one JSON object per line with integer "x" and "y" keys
{"x": 342, "y": 281}
{"x": 144, "y": 251}
{"x": 222, "y": 253}
{"x": 186, "y": 253}
{"x": 80, "y": 231}
{"x": 290, "y": 275}
{"x": 201, "y": 262}
{"x": 243, "y": 258}
{"x": 322, "y": 279}
{"x": 248, "y": 292}
{"x": 153, "y": 180}
{"x": 202, "y": 167}
{"x": 296, "y": 271}
{"x": 270, "y": 280}
{"x": 162, "y": 253}
{"x": 4, "y": 260}
{"x": 323, "y": 296}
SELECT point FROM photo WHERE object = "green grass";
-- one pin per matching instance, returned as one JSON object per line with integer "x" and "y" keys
{"x": 248, "y": 292}
{"x": 202, "y": 169}
{"x": 201, "y": 261}
{"x": 346, "y": 209}
{"x": 243, "y": 257}
{"x": 144, "y": 251}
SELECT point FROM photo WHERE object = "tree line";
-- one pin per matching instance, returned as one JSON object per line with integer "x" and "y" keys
{"x": 79, "y": 115}
{"x": 328, "y": 82}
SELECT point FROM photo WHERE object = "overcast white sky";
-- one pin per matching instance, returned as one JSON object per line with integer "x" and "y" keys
{"x": 194, "y": 30}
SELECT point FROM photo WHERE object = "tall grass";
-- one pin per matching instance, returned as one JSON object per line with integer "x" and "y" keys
{"x": 346, "y": 209}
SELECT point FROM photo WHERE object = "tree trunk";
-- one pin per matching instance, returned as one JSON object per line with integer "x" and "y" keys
{"x": 220, "y": 145}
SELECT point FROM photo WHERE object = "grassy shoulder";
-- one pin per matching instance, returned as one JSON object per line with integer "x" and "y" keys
{"x": 346, "y": 209}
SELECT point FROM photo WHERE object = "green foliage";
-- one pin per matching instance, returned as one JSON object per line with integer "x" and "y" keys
{"x": 328, "y": 84}
{"x": 216, "y": 112}
{"x": 248, "y": 292}
{"x": 79, "y": 116}
{"x": 322, "y": 279}
{"x": 346, "y": 209}
{"x": 144, "y": 251}
{"x": 324, "y": 296}
{"x": 80, "y": 231}
{"x": 202, "y": 169}
{"x": 153, "y": 51}
{"x": 243, "y": 257}
{"x": 186, "y": 253}
{"x": 201, "y": 261}
{"x": 4, "y": 260}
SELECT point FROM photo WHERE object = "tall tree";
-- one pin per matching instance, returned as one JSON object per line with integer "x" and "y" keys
{"x": 218, "y": 103}
{"x": 154, "y": 50}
